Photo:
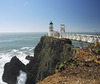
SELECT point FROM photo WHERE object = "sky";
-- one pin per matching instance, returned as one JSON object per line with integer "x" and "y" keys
{"x": 35, "y": 15}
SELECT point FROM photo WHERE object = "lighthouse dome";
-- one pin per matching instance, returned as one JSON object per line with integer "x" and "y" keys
{"x": 51, "y": 23}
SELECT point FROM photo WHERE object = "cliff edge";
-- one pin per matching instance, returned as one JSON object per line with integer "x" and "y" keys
{"x": 47, "y": 54}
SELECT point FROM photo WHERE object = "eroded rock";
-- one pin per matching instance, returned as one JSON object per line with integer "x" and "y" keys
{"x": 11, "y": 70}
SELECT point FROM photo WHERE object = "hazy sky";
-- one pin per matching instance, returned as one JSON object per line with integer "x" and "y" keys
{"x": 35, "y": 15}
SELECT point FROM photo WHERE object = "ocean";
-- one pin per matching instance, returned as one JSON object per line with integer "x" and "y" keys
{"x": 20, "y": 45}
{"x": 17, "y": 44}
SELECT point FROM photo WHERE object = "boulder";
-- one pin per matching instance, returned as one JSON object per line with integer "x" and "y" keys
{"x": 29, "y": 57}
{"x": 11, "y": 70}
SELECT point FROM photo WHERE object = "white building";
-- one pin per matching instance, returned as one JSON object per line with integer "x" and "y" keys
{"x": 52, "y": 32}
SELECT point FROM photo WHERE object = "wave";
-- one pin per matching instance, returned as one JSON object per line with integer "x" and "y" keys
{"x": 14, "y": 50}
{"x": 26, "y": 48}
{"x": 21, "y": 54}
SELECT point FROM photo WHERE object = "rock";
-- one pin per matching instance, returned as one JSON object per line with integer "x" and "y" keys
{"x": 29, "y": 57}
{"x": 11, "y": 70}
{"x": 47, "y": 54}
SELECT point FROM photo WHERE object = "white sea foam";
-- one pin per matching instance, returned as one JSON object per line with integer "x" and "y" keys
{"x": 25, "y": 47}
{"x": 30, "y": 49}
{"x": 22, "y": 78}
{"x": 6, "y": 57}
{"x": 14, "y": 50}
{"x": 1, "y": 72}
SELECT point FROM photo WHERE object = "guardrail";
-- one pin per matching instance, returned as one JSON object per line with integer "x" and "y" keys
{"x": 85, "y": 38}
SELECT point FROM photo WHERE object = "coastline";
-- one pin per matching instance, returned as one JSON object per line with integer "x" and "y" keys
{"x": 56, "y": 48}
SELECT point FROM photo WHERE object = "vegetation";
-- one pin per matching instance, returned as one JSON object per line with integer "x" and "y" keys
{"x": 90, "y": 53}
{"x": 86, "y": 54}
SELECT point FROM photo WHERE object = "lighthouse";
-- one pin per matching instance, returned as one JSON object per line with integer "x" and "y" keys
{"x": 51, "y": 32}
{"x": 51, "y": 26}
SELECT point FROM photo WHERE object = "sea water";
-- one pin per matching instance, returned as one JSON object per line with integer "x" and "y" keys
{"x": 20, "y": 45}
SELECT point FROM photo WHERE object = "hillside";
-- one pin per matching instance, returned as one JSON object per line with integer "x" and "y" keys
{"x": 80, "y": 73}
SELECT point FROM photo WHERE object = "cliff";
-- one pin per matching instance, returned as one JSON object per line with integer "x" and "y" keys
{"x": 47, "y": 54}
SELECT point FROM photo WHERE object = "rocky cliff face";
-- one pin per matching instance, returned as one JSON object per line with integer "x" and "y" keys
{"x": 47, "y": 54}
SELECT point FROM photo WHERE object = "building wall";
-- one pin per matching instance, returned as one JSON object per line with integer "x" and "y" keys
{"x": 53, "y": 33}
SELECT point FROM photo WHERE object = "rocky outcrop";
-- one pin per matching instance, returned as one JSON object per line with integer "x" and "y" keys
{"x": 47, "y": 54}
{"x": 11, "y": 70}
{"x": 29, "y": 57}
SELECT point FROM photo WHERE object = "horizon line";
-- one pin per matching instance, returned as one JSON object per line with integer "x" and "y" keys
{"x": 47, "y": 32}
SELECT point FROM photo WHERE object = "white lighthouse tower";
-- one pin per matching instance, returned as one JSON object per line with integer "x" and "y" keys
{"x": 52, "y": 32}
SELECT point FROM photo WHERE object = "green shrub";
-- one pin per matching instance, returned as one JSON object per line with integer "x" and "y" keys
{"x": 65, "y": 62}
{"x": 61, "y": 65}
{"x": 72, "y": 64}
{"x": 98, "y": 51}
{"x": 76, "y": 61}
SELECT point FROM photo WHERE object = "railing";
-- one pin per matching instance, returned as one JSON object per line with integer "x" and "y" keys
{"x": 85, "y": 38}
